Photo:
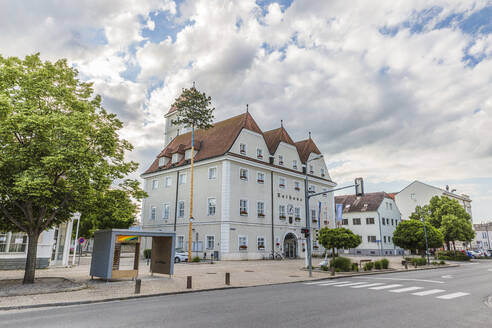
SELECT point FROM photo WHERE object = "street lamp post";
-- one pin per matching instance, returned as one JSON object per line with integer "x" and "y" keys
{"x": 426, "y": 242}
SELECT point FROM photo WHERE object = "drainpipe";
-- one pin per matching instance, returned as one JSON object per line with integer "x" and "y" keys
{"x": 380, "y": 235}
{"x": 488, "y": 238}
{"x": 176, "y": 201}
{"x": 273, "y": 232}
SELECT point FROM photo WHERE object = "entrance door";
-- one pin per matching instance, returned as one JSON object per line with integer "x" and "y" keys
{"x": 290, "y": 246}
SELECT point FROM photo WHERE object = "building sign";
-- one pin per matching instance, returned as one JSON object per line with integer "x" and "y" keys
{"x": 126, "y": 239}
{"x": 339, "y": 212}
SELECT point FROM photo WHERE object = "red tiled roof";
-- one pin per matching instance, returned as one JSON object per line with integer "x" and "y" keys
{"x": 210, "y": 143}
{"x": 274, "y": 137}
{"x": 305, "y": 148}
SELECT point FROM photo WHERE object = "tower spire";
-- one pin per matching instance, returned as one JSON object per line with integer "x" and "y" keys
{"x": 309, "y": 135}
{"x": 281, "y": 123}
{"x": 247, "y": 108}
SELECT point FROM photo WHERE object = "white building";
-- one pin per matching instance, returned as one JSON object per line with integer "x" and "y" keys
{"x": 248, "y": 189}
{"x": 419, "y": 194}
{"x": 374, "y": 217}
{"x": 483, "y": 236}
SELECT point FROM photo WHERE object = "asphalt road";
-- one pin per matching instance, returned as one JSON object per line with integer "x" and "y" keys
{"x": 452, "y": 297}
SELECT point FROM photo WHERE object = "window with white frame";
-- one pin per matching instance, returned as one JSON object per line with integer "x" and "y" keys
{"x": 165, "y": 211}
{"x": 260, "y": 242}
{"x": 181, "y": 209}
{"x": 259, "y": 153}
{"x": 212, "y": 204}
{"x": 484, "y": 234}
{"x": 180, "y": 242}
{"x": 294, "y": 164}
{"x": 210, "y": 242}
{"x": 281, "y": 182}
{"x": 182, "y": 178}
{"x": 313, "y": 216}
{"x": 280, "y": 160}
{"x": 371, "y": 239}
{"x": 242, "y": 149}
{"x": 312, "y": 189}
{"x": 281, "y": 212}
{"x": 155, "y": 184}
{"x": 260, "y": 177}
{"x": 3, "y": 242}
{"x": 297, "y": 186}
{"x": 391, "y": 206}
{"x": 243, "y": 174}
{"x": 243, "y": 242}
{"x": 243, "y": 207}
{"x": 325, "y": 189}
{"x": 152, "y": 212}
{"x": 168, "y": 182}
{"x": 260, "y": 209}
{"x": 212, "y": 173}
{"x": 311, "y": 170}
{"x": 298, "y": 213}
{"x": 369, "y": 220}
{"x": 322, "y": 172}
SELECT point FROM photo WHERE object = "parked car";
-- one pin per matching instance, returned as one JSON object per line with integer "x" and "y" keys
{"x": 474, "y": 254}
{"x": 468, "y": 253}
{"x": 180, "y": 255}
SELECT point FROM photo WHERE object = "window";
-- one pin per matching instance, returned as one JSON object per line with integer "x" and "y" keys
{"x": 210, "y": 242}
{"x": 182, "y": 178}
{"x": 391, "y": 206}
{"x": 389, "y": 239}
{"x": 212, "y": 203}
{"x": 384, "y": 238}
{"x": 392, "y": 222}
{"x": 260, "y": 209}
{"x": 3, "y": 242}
{"x": 180, "y": 242}
{"x": 369, "y": 220}
{"x": 260, "y": 242}
{"x": 384, "y": 222}
{"x": 412, "y": 196}
{"x": 281, "y": 182}
{"x": 243, "y": 174}
{"x": 298, "y": 213}
{"x": 259, "y": 153}
{"x": 280, "y": 160}
{"x": 162, "y": 161}
{"x": 260, "y": 177}
{"x": 165, "y": 211}
{"x": 344, "y": 221}
{"x": 312, "y": 189}
{"x": 297, "y": 185}
{"x": 155, "y": 184}
{"x": 294, "y": 164}
{"x": 313, "y": 216}
{"x": 181, "y": 209}
{"x": 371, "y": 239}
{"x": 322, "y": 172}
{"x": 212, "y": 173}
{"x": 281, "y": 212}
{"x": 242, "y": 149}
{"x": 243, "y": 242}
{"x": 152, "y": 212}
{"x": 243, "y": 207}
{"x": 168, "y": 182}
{"x": 311, "y": 170}
{"x": 18, "y": 242}
{"x": 325, "y": 195}
{"x": 356, "y": 221}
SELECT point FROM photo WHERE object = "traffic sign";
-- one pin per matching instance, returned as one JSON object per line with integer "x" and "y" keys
{"x": 81, "y": 240}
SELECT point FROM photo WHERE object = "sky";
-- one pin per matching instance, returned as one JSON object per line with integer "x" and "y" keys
{"x": 392, "y": 91}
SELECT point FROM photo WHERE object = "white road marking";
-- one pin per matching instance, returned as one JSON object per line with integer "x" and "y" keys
{"x": 489, "y": 270}
{"x": 385, "y": 287}
{"x": 403, "y": 279}
{"x": 452, "y": 295}
{"x": 368, "y": 285}
{"x": 351, "y": 284}
{"x": 429, "y": 292}
{"x": 447, "y": 276}
{"x": 333, "y": 283}
{"x": 315, "y": 282}
{"x": 406, "y": 289}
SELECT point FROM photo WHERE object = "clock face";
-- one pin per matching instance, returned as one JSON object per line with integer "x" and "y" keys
{"x": 290, "y": 209}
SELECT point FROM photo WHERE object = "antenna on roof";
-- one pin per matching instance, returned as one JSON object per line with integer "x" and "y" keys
{"x": 193, "y": 84}
{"x": 281, "y": 123}
{"x": 247, "y": 108}
{"x": 309, "y": 134}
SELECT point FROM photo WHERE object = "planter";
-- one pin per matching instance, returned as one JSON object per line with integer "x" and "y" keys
{"x": 315, "y": 247}
{"x": 243, "y": 178}
{"x": 242, "y": 247}
{"x": 315, "y": 221}
{"x": 261, "y": 215}
{"x": 325, "y": 222}
{"x": 281, "y": 185}
{"x": 298, "y": 219}
{"x": 280, "y": 163}
{"x": 260, "y": 157}
{"x": 297, "y": 189}
{"x": 243, "y": 213}
{"x": 242, "y": 152}
{"x": 294, "y": 167}
{"x": 261, "y": 248}
{"x": 260, "y": 181}
{"x": 282, "y": 217}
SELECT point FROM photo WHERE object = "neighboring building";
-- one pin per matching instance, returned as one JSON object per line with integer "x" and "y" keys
{"x": 483, "y": 236}
{"x": 248, "y": 189}
{"x": 419, "y": 194}
{"x": 374, "y": 217}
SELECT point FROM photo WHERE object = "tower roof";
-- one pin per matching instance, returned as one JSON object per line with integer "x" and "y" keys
{"x": 274, "y": 137}
{"x": 305, "y": 148}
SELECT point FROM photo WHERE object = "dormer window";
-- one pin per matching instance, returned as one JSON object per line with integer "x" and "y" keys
{"x": 311, "y": 170}
{"x": 243, "y": 174}
{"x": 259, "y": 153}
{"x": 242, "y": 149}
{"x": 280, "y": 160}
{"x": 162, "y": 161}
{"x": 322, "y": 172}
{"x": 294, "y": 164}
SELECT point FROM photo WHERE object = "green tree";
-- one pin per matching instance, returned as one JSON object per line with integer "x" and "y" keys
{"x": 440, "y": 206}
{"x": 59, "y": 148}
{"x": 340, "y": 238}
{"x": 194, "y": 109}
{"x": 454, "y": 228}
{"x": 420, "y": 213}
{"x": 409, "y": 234}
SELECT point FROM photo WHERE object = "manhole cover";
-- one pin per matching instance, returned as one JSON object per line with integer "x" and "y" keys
{"x": 248, "y": 271}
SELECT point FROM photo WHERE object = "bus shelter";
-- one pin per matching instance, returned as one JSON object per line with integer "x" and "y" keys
{"x": 108, "y": 246}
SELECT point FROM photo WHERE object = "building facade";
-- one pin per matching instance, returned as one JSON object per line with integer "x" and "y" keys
{"x": 419, "y": 194}
{"x": 374, "y": 218}
{"x": 483, "y": 236}
{"x": 248, "y": 190}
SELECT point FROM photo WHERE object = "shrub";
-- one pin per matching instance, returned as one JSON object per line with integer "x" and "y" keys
{"x": 385, "y": 262}
{"x": 355, "y": 267}
{"x": 341, "y": 263}
{"x": 147, "y": 253}
{"x": 378, "y": 265}
{"x": 324, "y": 267}
{"x": 196, "y": 259}
{"x": 368, "y": 266}
{"x": 452, "y": 256}
{"x": 419, "y": 261}
{"x": 442, "y": 262}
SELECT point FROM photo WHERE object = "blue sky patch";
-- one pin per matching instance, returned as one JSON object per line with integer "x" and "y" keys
{"x": 89, "y": 36}
{"x": 478, "y": 22}
{"x": 165, "y": 26}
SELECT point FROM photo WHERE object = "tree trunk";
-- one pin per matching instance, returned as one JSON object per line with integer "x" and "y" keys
{"x": 32, "y": 250}
{"x": 448, "y": 245}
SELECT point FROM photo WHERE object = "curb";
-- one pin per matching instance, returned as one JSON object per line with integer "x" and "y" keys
{"x": 123, "y": 298}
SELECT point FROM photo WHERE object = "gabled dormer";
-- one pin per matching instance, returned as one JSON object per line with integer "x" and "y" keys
{"x": 308, "y": 150}
{"x": 282, "y": 148}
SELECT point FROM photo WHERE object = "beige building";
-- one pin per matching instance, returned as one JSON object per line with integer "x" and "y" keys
{"x": 248, "y": 190}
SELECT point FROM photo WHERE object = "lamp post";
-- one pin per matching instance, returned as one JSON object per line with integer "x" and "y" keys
{"x": 426, "y": 241}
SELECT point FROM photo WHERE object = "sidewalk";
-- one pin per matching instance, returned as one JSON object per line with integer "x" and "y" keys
{"x": 205, "y": 276}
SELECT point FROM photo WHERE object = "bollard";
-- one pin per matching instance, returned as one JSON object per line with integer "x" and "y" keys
{"x": 228, "y": 278}
{"x": 188, "y": 282}
{"x": 406, "y": 265}
{"x": 138, "y": 284}
{"x": 333, "y": 270}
